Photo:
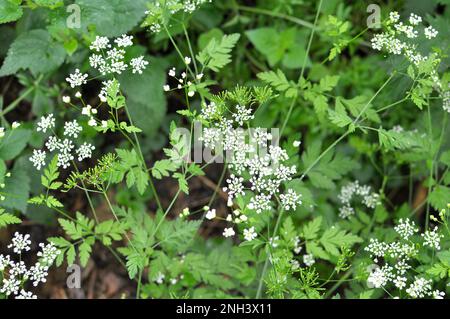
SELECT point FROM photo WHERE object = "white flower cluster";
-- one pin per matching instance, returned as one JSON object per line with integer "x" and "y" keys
{"x": 64, "y": 147}
{"x": 110, "y": 58}
{"x": 397, "y": 256}
{"x": 158, "y": 9}
{"x": 15, "y": 273}
{"x": 397, "y": 38}
{"x": 183, "y": 81}
{"x": 362, "y": 192}
{"x": 261, "y": 174}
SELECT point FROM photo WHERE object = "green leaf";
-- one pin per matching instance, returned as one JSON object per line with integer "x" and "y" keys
{"x": 45, "y": 56}
{"x": 13, "y": 143}
{"x": 333, "y": 239}
{"x": 163, "y": 168}
{"x": 339, "y": 116}
{"x": 18, "y": 188}
{"x": 311, "y": 229}
{"x": 217, "y": 53}
{"x": 8, "y": 219}
{"x": 439, "y": 197}
{"x": 10, "y": 10}
{"x": 121, "y": 17}
{"x": 279, "y": 81}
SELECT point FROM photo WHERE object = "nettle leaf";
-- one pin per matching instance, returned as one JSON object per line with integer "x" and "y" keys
{"x": 45, "y": 56}
{"x": 13, "y": 143}
{"x": 18, "y": 189}
{"x": 10, "y": 10}
{"x": 217, "y": 53}
{"x": 286, "y": 45}
{"x": 8, "y": 219}
{"x": 123, "y": 15}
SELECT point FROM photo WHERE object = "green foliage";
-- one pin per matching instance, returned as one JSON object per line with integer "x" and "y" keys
{"x": 217, "y": 53}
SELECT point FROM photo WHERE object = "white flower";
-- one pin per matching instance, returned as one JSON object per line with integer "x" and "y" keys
{"x": 78, "y": 94}
{"x": 228, "y": 232}
{"x": 414, "y": 19}
{"x": 100, "y": 43}
{"x": 199, "y": 76}
{"x": 26, "y": 295}
{"x": 65, "y": 156}
{"x": 66, "y": 99}
{"x": 166, "y": 88}
{"x": 432, "y": 238}
{"x": 92, "y": 122}
{"x": 4, "y": 261}
{"x": 138, "y": 64}
{"x": 394, "y": 16}
{"x": 20, "y": 243}
{"x": 72, "y": 129}
{"x": 88, "y": 110}
{"x": 38, "y": 273}
{"x": 159, "y": 278}
{"x": 260, "y": 203}
{"x": 53, "y": 143}
{"x": 49, "y": 253}
{"x": 46, "y": 123}
{"x": 290, "y": 200}
{"x": 187, "y": 60}
{"x": 77, "y": 78}
{"x": 15, "y": 125}
{"x": 250, "y": 234}
{"x": 438, "y": 294}
{"x": 124, "y": 41}
{"x": 419, "y": 288}
{"x": 235, "y": 186}
{"x": 430, "y": 32}
{"x": 400, "y": 282}
{"x": 405, "y": 228}
{"x": 97, "y": 61}
{"x": 379, "y": 277}
{"x": 211, "y": 214}
{"x": 309, "y": 260}
{"x": 172, "y": 72}
{"x": 10, "y": 286}
{"x": 242, "y": 114}
{"x": 296, "y": 143}
{"x": 38, "y": 159}
{"x": 85, "y": 151}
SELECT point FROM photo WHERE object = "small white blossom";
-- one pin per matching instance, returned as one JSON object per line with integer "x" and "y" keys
{"x": 290, "y": 200}
{"x": 66, "y": 99}
{"x": 38, "y": 159}
{"x": 228, "y": 232}
{"x": 20, "y": 243}
{"x": 100, "y": 43}
{"x": 432, "y": 238}
{"x": 250, "y": 234}
{"x": 72, "y": 129}
{"x": 77, "y": 78}
{"x": 211, "y": 214}
{"x": 309, "y": 260}
{"x": 430, "y": 32}
{"x": 46, "y": 123}
{"x": 138, "y": 64}
{"x": 124, "y": 41}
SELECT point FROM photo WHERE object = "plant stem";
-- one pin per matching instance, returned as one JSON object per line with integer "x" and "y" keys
{"x": 277, "y": 15}
{"x": 266, "y": 262}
